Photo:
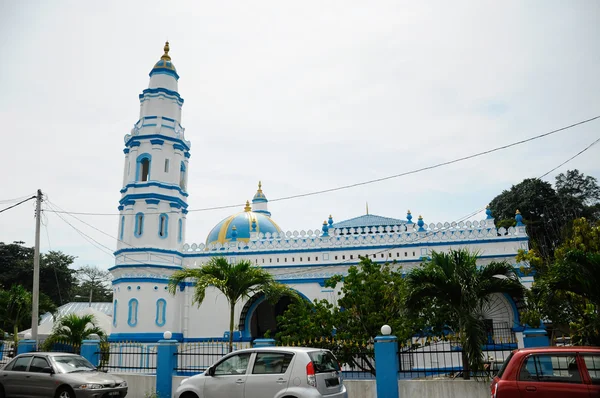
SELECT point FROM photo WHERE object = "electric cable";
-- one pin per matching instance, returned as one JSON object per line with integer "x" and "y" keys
{"x": 17, "y": 204}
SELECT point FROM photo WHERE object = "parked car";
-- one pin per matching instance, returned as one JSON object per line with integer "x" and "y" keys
{"x": 60, "y": 375}
{"x": 278, "y": 372}
{"x": 549, "y": 372}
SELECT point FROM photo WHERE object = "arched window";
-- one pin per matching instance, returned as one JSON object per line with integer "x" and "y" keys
{"x": 139, "y": 225}
{"x": 163, "y": 225}
{"x": 180, "y": 231}
{"x": 132, "y": 313}
{"x": 115, "y": 313}
{"x": 122, "y": 227}
{"x": 182, "y": 176}
{"x": 161, "y": 312}
{"x": 142, "y": 172}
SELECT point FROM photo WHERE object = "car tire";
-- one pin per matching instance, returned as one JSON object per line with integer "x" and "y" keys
{"x": 64, "y": 392}
{"x": 188, "y": 394}
{"x": 2, "y": 394}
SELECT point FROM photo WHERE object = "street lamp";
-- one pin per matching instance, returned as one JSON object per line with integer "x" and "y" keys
{"x": 90, "y": 302}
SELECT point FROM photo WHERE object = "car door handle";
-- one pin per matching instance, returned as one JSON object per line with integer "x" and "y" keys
{"x": 239, "y": 381}
{"x": 530, "y": 388}
{"x": 280, "y": 381}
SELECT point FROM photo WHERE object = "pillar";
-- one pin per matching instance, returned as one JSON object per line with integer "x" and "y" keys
{"x": 386, "y": 364}
{"x": 263, "y": 343}
{"x": 535, "y": 337}
{"x": 25, "y": 346}
{"x": 90, "y": 350}
{"x": 166, "y": 363}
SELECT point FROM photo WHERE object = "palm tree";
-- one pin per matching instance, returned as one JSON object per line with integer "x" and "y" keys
{"x": 235, "y": 281}
{"x": 454, "y": 283}
{"x": 72, "y": 329}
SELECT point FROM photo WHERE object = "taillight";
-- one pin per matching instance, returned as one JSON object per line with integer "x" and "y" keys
{"x": 311, "y": 379}
{"x": 494, "y": 390}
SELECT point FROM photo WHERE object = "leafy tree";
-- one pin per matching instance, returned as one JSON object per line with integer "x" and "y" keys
{"x": 15, "y": 308}
{"x": 235, "y": 281}
{"x": 92, "y": 279}
{"x": 454, "y": 283}
{"x": 56, "y": 276}
{"x": 371, "y": 296}
{"x": 578, "y": 194}
{"x": 72, "y": 329}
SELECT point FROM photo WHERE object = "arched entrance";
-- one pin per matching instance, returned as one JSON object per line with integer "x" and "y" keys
{"x": 259, "y": 316}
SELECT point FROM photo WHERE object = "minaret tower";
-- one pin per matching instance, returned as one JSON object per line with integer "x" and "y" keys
{"x": 152, "y": 211}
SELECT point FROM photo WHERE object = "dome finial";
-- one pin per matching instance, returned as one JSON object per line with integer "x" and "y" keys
{"x": 260, "y": 186}
{"x": 166, "y": 56}
{"x": 247, "y": 208}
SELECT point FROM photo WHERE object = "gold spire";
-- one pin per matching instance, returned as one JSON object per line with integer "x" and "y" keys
{"x": 166, "y": 56}
{"x": 260, "y": 187}
{"x": 518, "y": 212}
{"x": 407, "y": 211}
{"x": 247, "y": 208}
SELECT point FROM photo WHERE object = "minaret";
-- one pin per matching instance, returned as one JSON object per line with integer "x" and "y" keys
{"x": 260, "y": 202}
{"x": 152, "y": 209}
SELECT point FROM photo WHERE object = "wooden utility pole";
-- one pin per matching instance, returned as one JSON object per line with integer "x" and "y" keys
{"x": 36, "y": 270}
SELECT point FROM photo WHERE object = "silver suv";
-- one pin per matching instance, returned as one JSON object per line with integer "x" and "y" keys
{"x": 278, "y": 372}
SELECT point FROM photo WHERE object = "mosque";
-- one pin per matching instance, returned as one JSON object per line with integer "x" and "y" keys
{"x": 153, "y": 243}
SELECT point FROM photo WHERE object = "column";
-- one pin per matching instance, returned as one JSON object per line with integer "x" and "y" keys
{"x": 535, "y": 337}
{"x": 386, "y": 364}
{"x": 166, "y": 362}
{"x": 90, "y": 350}
{"x": 263, "y": 343}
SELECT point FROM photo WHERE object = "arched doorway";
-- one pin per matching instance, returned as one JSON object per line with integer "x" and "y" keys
{"x": 259, "y": 316}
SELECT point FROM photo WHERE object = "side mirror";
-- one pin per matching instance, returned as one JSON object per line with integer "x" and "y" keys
{"x": 48, "y": 370}
{"x": 210, "y": 371}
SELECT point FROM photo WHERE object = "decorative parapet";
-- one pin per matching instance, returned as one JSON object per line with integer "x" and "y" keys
{"x": 369, "y": 236}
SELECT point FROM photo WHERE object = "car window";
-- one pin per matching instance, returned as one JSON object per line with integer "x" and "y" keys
{"x": 9, "y": 365}
{"x": 505, "y": 364}
{"x": 271, "y": 363}
{"x": 38, "y": 364}
{"x": 234, "y": 365}
{"x": 550, "y": 368}
{"x": 21, "y": 364}
{"x": 324, "y": 361}
{"x": 592, "y": 363}
{"x": 72, "y": 363}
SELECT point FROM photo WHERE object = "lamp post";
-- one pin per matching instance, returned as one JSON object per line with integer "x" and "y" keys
{"x": 90, "y": 301}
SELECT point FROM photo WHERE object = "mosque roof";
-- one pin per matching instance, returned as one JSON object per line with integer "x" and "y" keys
{"x": 165, "y": 65}
{"x": 368, "y": 220}
{"x": 239, "y": 226}
{"x": 74, "y": 307}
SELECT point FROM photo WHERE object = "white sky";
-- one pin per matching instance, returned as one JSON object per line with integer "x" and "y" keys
{"x": 304, "y": 95}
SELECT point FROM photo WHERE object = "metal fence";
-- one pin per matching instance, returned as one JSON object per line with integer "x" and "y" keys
{"x": 195, "y": 357}
{"x": 8, "y": 350}
{"x": 128, "y": 357}
{"x": 431, "y": 356}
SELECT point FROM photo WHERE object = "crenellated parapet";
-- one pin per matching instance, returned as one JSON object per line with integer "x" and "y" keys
{"x": 365, "y": 236}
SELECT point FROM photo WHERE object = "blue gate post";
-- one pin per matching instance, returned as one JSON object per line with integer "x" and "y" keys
{"x": 90, "y": 350}
{"x": 264, "y": 343}
{"x": 166, "y": 363}
{"x": 535, "y": 337}
{"x": 386, "y": 364}
{"x": 26, "y": 345}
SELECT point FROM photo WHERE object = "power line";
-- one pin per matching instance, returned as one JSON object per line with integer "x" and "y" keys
{"x": 571, "y": 158}
{"x": 17, "y": 204}
{"x": 16, "y": 199}
{"x": 343, "y": 187}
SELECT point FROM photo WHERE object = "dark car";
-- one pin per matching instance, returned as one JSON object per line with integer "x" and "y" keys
{"x": 60, "y": 375}
{"x": 549, "y": 372}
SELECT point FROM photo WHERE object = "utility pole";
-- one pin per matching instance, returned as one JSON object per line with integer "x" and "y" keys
{"x": 90, "y": 303}
{"x": 36, "y": 270}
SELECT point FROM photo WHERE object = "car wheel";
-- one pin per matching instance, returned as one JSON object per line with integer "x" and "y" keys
{"x": 64, "y": 392}
{"x": 2, "y": 395}
{"x": 188, "y": 395}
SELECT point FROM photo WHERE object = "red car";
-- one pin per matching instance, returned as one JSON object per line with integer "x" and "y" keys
{"x": 549, "y": 372}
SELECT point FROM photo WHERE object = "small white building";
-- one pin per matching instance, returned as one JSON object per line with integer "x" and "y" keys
{"x": 152, "y": 238}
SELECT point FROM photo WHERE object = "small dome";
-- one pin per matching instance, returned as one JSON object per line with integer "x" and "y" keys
{"x": 241, "y": 223}
{"x": 259, "y": 196}
{"x": 165, "y": 65}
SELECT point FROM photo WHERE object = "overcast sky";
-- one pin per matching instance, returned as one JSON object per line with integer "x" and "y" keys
{"x": 303, "y": 95}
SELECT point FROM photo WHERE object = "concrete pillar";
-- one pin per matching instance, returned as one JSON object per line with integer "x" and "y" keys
{"x": 263, "y": 343}
{"x": 386, "y": 364}
{"x": 166, "y": 363}
{"x": 90, "y": 350}
{"x": 25, "y": 346}
{"x": 535, "y": 337}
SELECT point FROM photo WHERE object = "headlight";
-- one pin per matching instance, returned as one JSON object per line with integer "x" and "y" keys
{"x": 184, "y": 381}
{"x": 123, "y": 384}
{"x": 90, "y": 386}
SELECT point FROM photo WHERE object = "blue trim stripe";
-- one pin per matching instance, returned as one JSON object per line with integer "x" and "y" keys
{"x": 161, "y": 90}
{"x": 161, "y": 312}
{"x": 164, "y": 71}
{"x": 132, "y": 313}
{"x": 137, "y": 265}
{"x": 135, "y": 140}
{"x": 154, "y": 184}
{"x": 140, "y": 196}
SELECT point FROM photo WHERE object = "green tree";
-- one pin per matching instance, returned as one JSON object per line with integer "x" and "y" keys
{"x": 92, "y": 280}
{"x": 454, "y": 283}
{"x": 72, "y": 329}
{"x": 235, "y": 281}
{"x": 15, "y": 308}
{"x": 578, "y": 194}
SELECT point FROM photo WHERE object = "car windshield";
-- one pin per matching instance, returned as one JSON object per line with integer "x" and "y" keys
{"x": 72, "y": 363}
{"x": 504, "y": 365}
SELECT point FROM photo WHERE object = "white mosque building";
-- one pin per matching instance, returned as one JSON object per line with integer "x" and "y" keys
{"x": 152, "y": 239}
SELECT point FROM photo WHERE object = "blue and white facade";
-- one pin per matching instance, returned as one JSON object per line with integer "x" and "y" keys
{"x": 152, "y": 242}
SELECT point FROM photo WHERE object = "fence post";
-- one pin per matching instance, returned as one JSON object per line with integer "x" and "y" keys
{"x": 386, "y": 364}
{"x": 26, "y": 345}
{"x": 166, "y": 362}
{"x": 264, "y": 343}
{"x": 535, "y": 337}
{"x": 90, "y": 350}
